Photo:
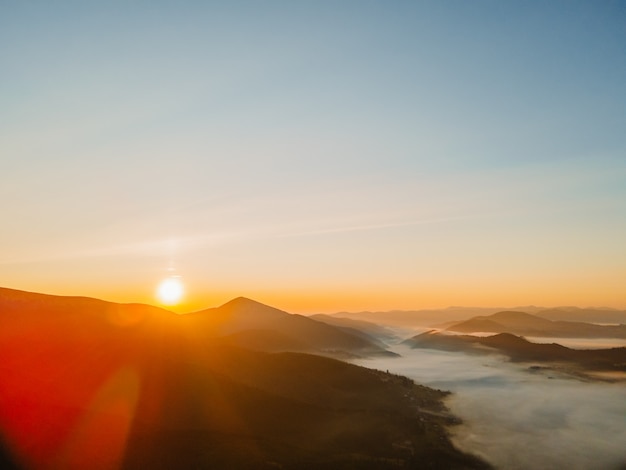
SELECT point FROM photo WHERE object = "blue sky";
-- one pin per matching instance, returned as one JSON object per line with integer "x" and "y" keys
{"x": 365, "y": 154}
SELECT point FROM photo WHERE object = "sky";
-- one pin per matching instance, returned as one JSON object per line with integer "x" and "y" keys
{"x": 316, "y": 156}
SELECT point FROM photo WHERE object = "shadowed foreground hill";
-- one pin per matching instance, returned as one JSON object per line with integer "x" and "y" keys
{"x": 83, "y": 391}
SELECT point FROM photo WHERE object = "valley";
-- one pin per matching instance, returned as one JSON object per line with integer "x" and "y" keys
{"x": 246, "y": 385}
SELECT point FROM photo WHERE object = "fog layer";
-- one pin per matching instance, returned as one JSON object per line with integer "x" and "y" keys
{"x": 581, "y": 343}
{"x": 517, "y": 419}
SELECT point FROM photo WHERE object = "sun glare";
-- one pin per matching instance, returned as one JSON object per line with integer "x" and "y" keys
{"x": 170, "y": 291}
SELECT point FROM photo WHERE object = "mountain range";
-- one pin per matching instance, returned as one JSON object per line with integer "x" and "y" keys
{"x": 436, "y": 317}
{"x": 93, "y": 384}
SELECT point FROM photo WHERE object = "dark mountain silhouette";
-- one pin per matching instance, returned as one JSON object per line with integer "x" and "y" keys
{"x": 521, "y": 350}
{"x": 82, "y": 389}
{"x": 243, "y": 314}
{"x": 525, "y": 324}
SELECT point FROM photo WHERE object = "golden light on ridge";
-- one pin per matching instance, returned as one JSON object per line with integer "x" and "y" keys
{"x": 170, "y": 290}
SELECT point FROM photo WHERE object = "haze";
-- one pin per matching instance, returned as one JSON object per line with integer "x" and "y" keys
{"x": 320, "y": 156}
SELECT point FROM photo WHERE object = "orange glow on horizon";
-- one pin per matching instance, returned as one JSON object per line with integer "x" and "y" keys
{"x": 436, "y": 294}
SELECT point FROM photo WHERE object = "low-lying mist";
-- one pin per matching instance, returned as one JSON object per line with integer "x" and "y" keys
{"x": 518, "y": 419}
{"x": 581, "y": 343}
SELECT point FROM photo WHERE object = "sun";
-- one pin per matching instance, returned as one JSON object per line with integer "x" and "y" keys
{"x": 170, "y": 290}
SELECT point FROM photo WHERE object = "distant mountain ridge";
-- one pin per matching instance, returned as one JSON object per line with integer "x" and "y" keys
{"x": 436, "y": 317}
{"x": 525, "y": 324}
{"x": 520, "y": 349}
{"x": 87, "y": 383}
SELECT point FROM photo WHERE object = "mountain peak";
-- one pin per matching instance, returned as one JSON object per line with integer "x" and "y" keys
{"x": 244, "y": 302}
{"x": 239, "y": 300}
